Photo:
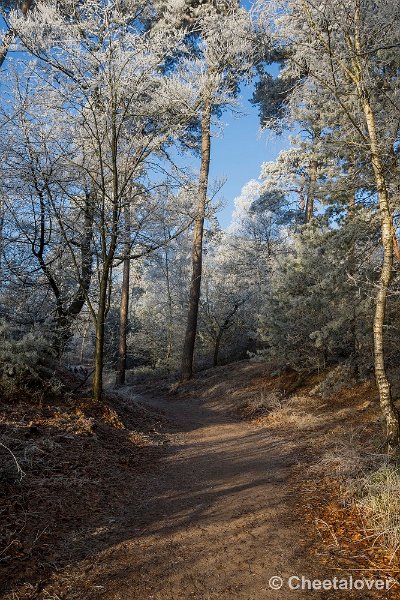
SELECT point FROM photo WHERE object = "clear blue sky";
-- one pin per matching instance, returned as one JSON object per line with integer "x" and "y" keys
{"x": 240, "y": 151}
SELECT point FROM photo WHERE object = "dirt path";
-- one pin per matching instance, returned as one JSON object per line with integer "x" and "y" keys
{"x": 218, "y": 522}
{"x": 209, "y": 511}
{"x": 116, "y": 508}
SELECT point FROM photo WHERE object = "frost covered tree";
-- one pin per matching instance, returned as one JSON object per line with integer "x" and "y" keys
{"x": 154, "y": 243}
{"x": 226, "y": 315}
{"x": 349, "y": 50}
{"x": 122, "y": 105}
{"x": 318, "y": 302}
{"x": 9, "y": 35}
{"x": 223, "y": 55}
{"x": 47, "y": 199}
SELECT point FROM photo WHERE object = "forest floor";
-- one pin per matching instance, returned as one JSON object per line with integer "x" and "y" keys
{"x": 172, "y": 496}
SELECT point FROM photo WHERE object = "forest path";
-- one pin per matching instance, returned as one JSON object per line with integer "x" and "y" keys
{"x": 217, "y": 518}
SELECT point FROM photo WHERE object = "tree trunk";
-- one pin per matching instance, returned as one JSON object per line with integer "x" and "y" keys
{"x": 216, "y": 349}
{"x": 224, "y": 327}
{"x": 352, "y": 270}
{"x": 388, "y": 407}
{"x": 83, "y": 344}
{"x": 197, "y": 250}
{"x": 311, "y": 192}
{"x": 124, "y": 307}
{"x": 86, "y": 271}
{"x": 170, "y": 307}
{"x": 107, "y": 263}
{"x": 99, "y": 347}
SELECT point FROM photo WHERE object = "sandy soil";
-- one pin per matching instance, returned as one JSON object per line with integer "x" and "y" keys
{"x": 220, "y": 521}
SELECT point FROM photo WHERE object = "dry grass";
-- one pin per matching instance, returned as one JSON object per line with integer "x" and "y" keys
{"x": 379, "y": 502}
{"x": 297, "y": 411}
{"x": 346, "y": 459}
{"x": 259, "y": 402}
{"x": 370, "y": 482}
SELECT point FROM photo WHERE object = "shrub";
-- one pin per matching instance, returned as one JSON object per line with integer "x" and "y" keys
{"x": 337, "y": 379}
{"x": 27, "y": 361}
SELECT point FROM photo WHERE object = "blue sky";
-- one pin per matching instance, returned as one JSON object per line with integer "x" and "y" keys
{"x": 239, "y": 152}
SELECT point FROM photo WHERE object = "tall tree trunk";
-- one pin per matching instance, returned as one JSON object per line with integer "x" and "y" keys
{"x": 352, "y": 271}
{"x": 99, "y": 346}
{"x": 83, "y": 344}
{"x": 107, "y": 255}
{"x": 216, "y": 349}
{"x": 197, "y": 250}
{"x": 124, "y": 306}
{"x": 388, "y": 407}
{"x": 309, "y": 213}
{"x": 170, "y": 306}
